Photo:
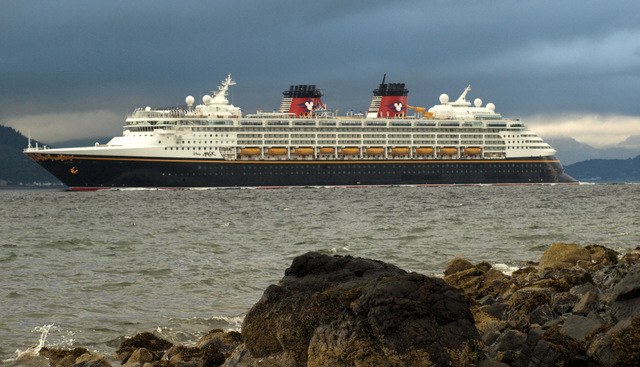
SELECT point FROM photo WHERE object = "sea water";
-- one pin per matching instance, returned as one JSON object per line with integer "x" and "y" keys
{"x": 91, "y": 268}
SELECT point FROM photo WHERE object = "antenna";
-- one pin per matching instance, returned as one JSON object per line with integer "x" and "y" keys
{"x": 463, "y": 96}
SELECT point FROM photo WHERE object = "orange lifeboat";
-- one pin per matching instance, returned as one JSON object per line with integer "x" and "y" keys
{"x": 326, "y": 150}
{"x": 250, "y": 151}
{"x": 277, "y": 151}
{"x": 448, "y": 151}
{"x": 303, "y": 151}
{"x": 472, "y": 151}
{"x": 374, "y": 151}
{"x": 424, "y": 151}
{"x": 400, "y": 151}
{"x": 349, "y": 151}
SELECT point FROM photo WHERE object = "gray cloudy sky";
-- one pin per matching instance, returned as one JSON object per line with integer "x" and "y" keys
{"x": 73, "y": 69}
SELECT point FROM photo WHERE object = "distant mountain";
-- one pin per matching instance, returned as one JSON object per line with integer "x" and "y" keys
{"x": 16, "y": 169}
{"x": 632, "y": 142}
{"x": 572, "y": 151}
{"x": 606, "y": 170}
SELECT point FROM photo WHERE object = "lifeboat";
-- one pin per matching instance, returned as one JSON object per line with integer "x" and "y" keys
{"x": 472, "y": 151}
{"x": 349, "y": 151}
{"x": 277, "y": 151}
{"x": 424, "y": 151}
{"x": 374, "y": 151}
{"x": 448, "y": 151}
{"x": 303, "y": 151}
{"x": 400, "y": 151}
{"x": 326, "y": 150}
{"x": 250, "y": 151}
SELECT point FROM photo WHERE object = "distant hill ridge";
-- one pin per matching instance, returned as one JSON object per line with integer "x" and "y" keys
{"x": 606, "y": 170}
{"x": 571, "y": 151}
{"x": 11, "y": 138}
{"x": 16, "y": 169}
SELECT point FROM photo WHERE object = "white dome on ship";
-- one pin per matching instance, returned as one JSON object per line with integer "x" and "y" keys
{"x": 206, "y": 99}
{"x": 189, "y": 100}
{"x": 491, "y": 106}
{"x": 147, "y": 108}
{"x": 444, "y": 98}
{"x": 477, "y": 102}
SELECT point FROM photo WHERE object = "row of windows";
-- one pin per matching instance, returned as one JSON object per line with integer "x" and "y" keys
{"x": 366, "y": 141}
{"x": 191, "y": 148}
{"x": 210, "y": 135}
{"x": 199, "y": 142}
{"x": 141, "y": 128}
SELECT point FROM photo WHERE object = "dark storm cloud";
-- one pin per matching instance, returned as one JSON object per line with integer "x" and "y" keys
{"x": 527, "y": 57}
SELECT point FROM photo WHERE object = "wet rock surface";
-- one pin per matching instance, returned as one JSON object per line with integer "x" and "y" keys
{"x": 578, "y": 307}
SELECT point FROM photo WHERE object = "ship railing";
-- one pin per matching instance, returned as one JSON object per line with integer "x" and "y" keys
{"x": 178, "y": 114}
{"x": 144, "y": 113}
{"x": 488, "y": 117}
{"x": 36, "y": 148}
{"x": 271, "y": 115}
{"x": 358, "y": 117}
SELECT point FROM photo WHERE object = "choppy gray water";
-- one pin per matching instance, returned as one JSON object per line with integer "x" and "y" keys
{"x": 91, "y": 268}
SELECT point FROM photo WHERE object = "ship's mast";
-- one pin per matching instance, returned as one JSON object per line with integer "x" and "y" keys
{"x": 462, "y": 100}
{"x": 220, "y": 97}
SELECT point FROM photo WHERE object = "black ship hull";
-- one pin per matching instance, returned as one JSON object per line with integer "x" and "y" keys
{"x": 94, "y": 173}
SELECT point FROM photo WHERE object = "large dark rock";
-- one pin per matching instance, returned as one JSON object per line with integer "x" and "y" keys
{"x": 602, "y": 255}
{"x": 139, "y": 357}
{"x": 563, "y": 255}
{"x": 341, "y": 310}
{"x": 91, "y": 360}
{"x": 205, "y": 356}
{"x": 147, "y": 349}
{"x": 476, "y": 281}
{"x": 588, "y": 303}
{"x": 578, "y": 327}
{"x": 629, "y": 287}
{"x": 147, "y": 340}
{"x": 62, "y": 357}
{"x": 511, "y": 344}
{"x": 625, "y": 309}
{"x": 457, "y": 265}
{"x": 625, "y": 343}
{"x": 224, "y": 342}
{"x": 625, "y": 296}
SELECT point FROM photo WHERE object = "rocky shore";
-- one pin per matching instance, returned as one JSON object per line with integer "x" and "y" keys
{"x": 577, "y": 306}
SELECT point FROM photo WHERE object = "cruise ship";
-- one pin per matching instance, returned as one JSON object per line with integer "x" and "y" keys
{"x": 304, "y": 143}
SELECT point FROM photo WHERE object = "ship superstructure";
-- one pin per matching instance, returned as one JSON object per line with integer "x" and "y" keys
{"x": 303, "y": 143}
